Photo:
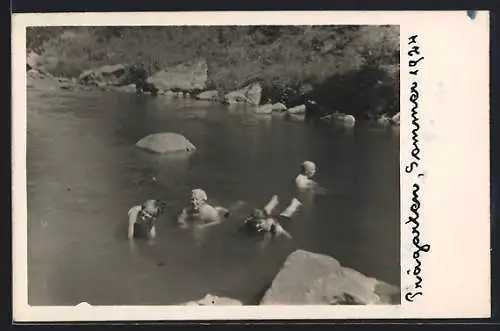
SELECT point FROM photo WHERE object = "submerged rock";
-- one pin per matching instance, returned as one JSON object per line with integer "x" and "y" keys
{"x": 295, "y": 117}
{"x": 250, "y": 94}
{"x": 264, "y": 109}
{"x": 186, "y": 77}
{"x": 213, "y": 300}
{"x": 165, "y": 143}
{"x": 317, "y": 279}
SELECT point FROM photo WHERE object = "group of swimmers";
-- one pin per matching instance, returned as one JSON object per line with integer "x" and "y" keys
{"x": 201, "y": 212}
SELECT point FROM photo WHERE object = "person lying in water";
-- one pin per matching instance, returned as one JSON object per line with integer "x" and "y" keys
{"x": 304, "y": 180}
{"x": 262, "y": 220}
{"x": 145, "y": 216}
{"x": 200, "y": 211}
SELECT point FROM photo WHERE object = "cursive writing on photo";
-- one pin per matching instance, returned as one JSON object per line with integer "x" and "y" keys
{"x": 415, "y": 57}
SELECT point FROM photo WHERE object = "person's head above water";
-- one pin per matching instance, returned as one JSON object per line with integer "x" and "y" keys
{"x": 198, "y": 198}
{"x": 308, "y": 168}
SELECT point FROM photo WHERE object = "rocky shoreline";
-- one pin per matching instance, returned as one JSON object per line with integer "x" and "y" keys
{"x": 308, "y": 278}
{"x": 190, "y": 80}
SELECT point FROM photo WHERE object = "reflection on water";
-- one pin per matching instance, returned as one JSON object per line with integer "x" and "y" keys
{"x": 84, "y": 173}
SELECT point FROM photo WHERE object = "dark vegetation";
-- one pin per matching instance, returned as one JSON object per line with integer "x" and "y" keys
{"x": 353, "y": 69}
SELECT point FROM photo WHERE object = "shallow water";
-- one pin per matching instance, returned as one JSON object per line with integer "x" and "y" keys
{"x": 84, "y": 173}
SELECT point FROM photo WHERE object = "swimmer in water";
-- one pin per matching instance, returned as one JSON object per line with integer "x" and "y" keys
{"x": 304, "y": 179}
{"x": 261, "y": 220}
{"x": 200, "y": 210}
{"x": 145, "y": 215}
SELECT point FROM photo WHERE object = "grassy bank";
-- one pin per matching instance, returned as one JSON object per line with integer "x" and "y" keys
{"x": 352, "y": 68}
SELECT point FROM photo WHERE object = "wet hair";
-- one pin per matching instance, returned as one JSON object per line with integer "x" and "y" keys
{"x": 307, "y": 166}
{"x": 151, "y": 210}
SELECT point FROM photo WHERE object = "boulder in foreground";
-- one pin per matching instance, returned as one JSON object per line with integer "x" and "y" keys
{"x": 213, "y": 300}
{"x": 317, "y": 279}
{"x": 165, "y": 143}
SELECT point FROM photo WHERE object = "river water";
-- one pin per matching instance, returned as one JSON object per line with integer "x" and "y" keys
{"x": 84, "y": 173}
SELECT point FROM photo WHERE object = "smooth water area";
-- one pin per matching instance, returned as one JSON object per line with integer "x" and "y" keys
{"x": 84, "y": 173}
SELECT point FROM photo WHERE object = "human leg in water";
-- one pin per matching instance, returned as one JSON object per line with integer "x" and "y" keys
{"x": 271, "y": 205}
{"x": 292, "y": 208}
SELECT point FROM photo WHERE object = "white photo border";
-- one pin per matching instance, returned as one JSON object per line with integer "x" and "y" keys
{"x": 454, "y": 138}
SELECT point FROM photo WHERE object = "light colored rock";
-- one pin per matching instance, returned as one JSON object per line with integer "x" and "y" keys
{"x": 279, "y": 107}
{"x": 130, "y": 88}
{"x": 396, "y": 119}
{"x": 213, "y": 300}
{"x": 208, "y": 95}
{"x": 186, "y": 77}
{"x": 384, "y": 120}
{"x": 34, "y": 73}
{"x": 166, "y": 143}
{"x": 32, "y": 60}
{"x": 300, "y": 109}
{"x": 317, "y": 279}
{"x": 250, "y": 94}
{"x": 114, "y": 75}
{"x": 340, "y": 119}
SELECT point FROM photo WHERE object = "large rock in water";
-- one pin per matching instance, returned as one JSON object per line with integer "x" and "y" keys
{"x": 114, "y": 75}
{"x": 317, "y": 279}
{"x": 186, "y": 77}
{"x": 165, "y": 143}
{"x": 250, "y": 94}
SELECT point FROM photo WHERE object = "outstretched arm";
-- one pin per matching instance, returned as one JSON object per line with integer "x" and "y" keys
{"x": 222, "y": 212}
{"x": 131, "y": 229}
{"x": 132, "y": 217}
{"x": 214, "y": 216}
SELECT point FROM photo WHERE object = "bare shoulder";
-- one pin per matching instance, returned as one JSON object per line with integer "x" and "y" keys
{"x": 134, "y": 210}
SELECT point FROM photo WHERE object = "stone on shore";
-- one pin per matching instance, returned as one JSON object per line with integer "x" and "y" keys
{"x": 186, "y": 77}
{"x": 396, "y": 119}
{"x": 165, "y": 143}
{"x": 278, "y": 107}
{"x": 32, "y": 61}
{"x": 300, "y": 109}
{"x": 107, "y": 75}
{"x": 250, "y": 94}
{"x": 208, "y": 95}
{"x": 317, "y": 279}
{"x": 213, "y": 300}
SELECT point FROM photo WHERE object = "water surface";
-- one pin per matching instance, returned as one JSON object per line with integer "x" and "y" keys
{"x": 84, "y": 173}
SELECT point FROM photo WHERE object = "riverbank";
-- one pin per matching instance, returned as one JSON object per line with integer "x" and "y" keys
{"x": 350, "y": 69}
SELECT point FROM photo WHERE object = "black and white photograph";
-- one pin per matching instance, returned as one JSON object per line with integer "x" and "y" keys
{"x": 231, "y": 165}
{"x": 246, "y": 165}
